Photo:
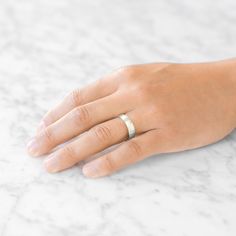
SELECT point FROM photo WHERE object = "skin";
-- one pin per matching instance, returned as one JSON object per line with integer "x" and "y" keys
{"x": 174, "y": 107}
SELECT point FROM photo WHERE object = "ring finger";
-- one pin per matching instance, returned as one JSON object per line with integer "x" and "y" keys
{"x": 93, "y": 141}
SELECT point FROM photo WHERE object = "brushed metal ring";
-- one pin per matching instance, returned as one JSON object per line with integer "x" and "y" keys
{"x": 129, "y": 124}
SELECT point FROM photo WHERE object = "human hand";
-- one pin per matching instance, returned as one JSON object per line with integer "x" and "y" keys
{"x": 174, "y": 107}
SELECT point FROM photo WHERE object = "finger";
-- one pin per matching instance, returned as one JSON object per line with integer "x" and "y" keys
{"x": 129, "y": 152}
{"x": 95, "y": 140}
{"x": 78, "y": 97}
{"x": 76, "y": 122}
{"x": 82, "y": 119}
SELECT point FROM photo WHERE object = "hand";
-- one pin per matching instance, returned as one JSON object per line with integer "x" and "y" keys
{"x": 174, "y": 107}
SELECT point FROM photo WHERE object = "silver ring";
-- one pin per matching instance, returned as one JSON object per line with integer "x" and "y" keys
{"x": 129, "y": 124}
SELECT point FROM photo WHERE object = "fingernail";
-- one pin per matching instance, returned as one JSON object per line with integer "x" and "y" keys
{"x": 91, "y": 170}
{"x": 51, "y": 164}
{"x": 41, "y": 126}
{"x": 33, "y": 147}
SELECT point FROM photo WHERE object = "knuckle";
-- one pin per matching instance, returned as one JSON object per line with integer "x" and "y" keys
{"x": 126, "y": 71}
{"x": 48, "y": 135}
{"x": 102, "y": 133}
{"x": 142, "y": 91}
{"x": 50, "y": 117}
{"x": 81, "y": 115}
{"x": 161, "y": 109}
{"x": 76, "y": 97}
{"x": 135, "y": 148}
{"x": 109, "y": 164}
{"x": 69, "y": 152}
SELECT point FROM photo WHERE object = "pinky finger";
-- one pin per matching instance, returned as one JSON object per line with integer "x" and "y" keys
{"x": 129, "y": 152}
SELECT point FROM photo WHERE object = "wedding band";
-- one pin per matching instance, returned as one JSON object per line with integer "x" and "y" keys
{"x": 129, "y": 124}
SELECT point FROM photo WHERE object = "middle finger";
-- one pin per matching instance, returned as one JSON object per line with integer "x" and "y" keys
{"x": 76, "y": 122}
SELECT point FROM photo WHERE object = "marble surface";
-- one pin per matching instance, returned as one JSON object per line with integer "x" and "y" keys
{"x": 47, "y": 48}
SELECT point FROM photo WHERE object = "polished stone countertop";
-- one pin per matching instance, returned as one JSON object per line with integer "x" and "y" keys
{"x": 48, "y": 48}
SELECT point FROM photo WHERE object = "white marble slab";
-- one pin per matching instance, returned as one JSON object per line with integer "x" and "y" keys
{"x": 47, "y": 48}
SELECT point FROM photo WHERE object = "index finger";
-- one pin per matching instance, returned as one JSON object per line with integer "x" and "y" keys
{"x": 101, "y": 88}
